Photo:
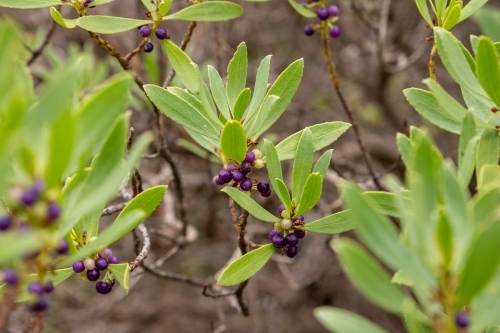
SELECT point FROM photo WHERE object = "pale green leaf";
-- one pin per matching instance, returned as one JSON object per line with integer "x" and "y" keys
{"x": 424, "y": 11}
{"x": 331, "y": 224}
{"x": 273, "y": 168}
{"x": 121, "y": 272}
{"x": 147, "y": 201}
{"x": 233, "y": 141}
{"x": 218, "y": 92}
{"x": 487, "y": 152}
{"x": 472, "y": 7}
{"x": 284, "y": 193}
{"x": 250, "y": 205}
{"x": 26, "y": 4}
{"x": 302, "y": 163}
{"x": 241, "y": 103}
{"x": 184, "y": 67}
{"x": 260, "y": 88}
{"x": 306, "y": 12}
{"x": 310, "y": 194}
{"x": 208, "y": 11}
{"x": 342, "y": 321}
{"x": 488, "y": 68}
{"x": 66, "y": 23}
{"x": 323, "y": 163}
{"x": 109, "y": 24}
{"x": 237, "y": 74}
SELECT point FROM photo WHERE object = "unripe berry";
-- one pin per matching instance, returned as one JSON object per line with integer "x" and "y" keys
{"x": 145, "y": 31}
{"x": 263, "y": 186}
{"x": 93, "y": 275}
{"x": 333, "y": 11}
{"x": 257, "y": 153}
{"x": 250, "y": 157}
{"x": 103, "y": 287}
{"x": 285, "y": 214}
{"x": 148, "y": 47}
{"x": 238, "y": 176}
{"x": 286, "y": 224}
{"x": 278, "y": 241}
{"x": 291, "y": 251}
{"x": 292, "y": 239}
{"x": 246, "y": 185}
{"x": 78, "y": 266}
{"x": 225, "y": 176}
{"x": 259, "y": 164}
{"x": 278, "y": 227}
{"x": 107, "y": 253}
{"x": 308, "y": 30}
{"x": 323, "y": 14}
{"x": 161, "y": 33}
{"x": 335, "y": 31}
{"x": 89, "y": 264}
{"x": 5, "y": 222}
{"x": 114, "y": 260}
{"x": 101, "y": 264}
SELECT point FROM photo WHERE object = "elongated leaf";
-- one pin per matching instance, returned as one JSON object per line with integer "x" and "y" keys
{"x": 108, "y": 236}
{"x": 184, "y": 67}
{"x": 342, "y": 321}
{"x": 469, "y": 131}
{"x": 487, "y": 18}
{"x": 61, "y": 275}
{"x": 237, "y": 74}
{"x": 302, "y": 163}
{"x": 121, "y": 273}
{"x": 233, "y": 141}
{"x": 450, "y": 105}
{"x": 260, "y": 88}
{"x": 331, "y": 224}
{"x": 208, "y": 11}
{"x": 273, "y": 168}
{"x": 218, "y": 92}
{"x": 250, "y": 205}
{"x": 151, "y": 7}
{"x": 485, "y": 306}
{"x": 323, "y": 163}
{"x": 164, "y": 7}
{"x": 241, "y": 103}
{"x": 62, "y": 141}
{"x": 323, "y": 135}
{"x": 26, "y": 4}
{"x": 181, "y": 112}
{"x": 405, "y": 148}
{"x": 487, "y": 151}
{"x": 387, "y": 202}
{"x": 197, "y": 104}
{"x": 488, "y": 68}
{"x": 472, "y": 7}
{"x": 109, "y": 24}
{"x": 306, "y": 12}
{"x": 466, "y": 167}
{"x": 424, "y": 11}
{"x": 369, "y": 277}
{"x": 485, "y": 203}
{"x": 453, "y": 17}
{"x": 284, "y": 87}
{"x": 284, "y": 193}
{"x": 15, "y": 246}
{"x": 68, "y": 24}
{"x": 310, "y": 194}
{"x": 247, "y": 266}
{"x": 147, "y": 201}
{"x": 255, "y": 123}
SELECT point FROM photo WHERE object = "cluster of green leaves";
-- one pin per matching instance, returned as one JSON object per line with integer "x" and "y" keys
{"x": 444, "y": 250}
{"x": 447, "y": 13}
{"x": 52, "y": 134}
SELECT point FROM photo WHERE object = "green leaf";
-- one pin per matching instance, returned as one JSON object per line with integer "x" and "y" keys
{"x": 468, "y": 162}
{"x": 284, "y": 87}
{"x": 181, "y": 111}
{"x": 284, "y": 193}
{"x": 218, "y": 92}
{"x": 147, "y": 201}
{"x": 121, "y": 273}
{"x": 479, "y": 268}
{"x": 487, "y": 151}
{"x": 164, "y": 7}
{"x": 273, "y": 168}
{"x": 61, "y": 275}
{"x": 302, "y": 163}
{"x": 253, "y": 125}
{"x": 454, "y": 109}
{"x": 26, "y": 4}
{"x": 241, "y": 103}
{"x": 68, "y": 24}
{"x": 237, "y": 74}
{"x": 490, "y": 173}
{"x": 488, "y": 19}
{"x": 250, "y": 205}
{"x": 306, "y": 12}
{"x": 310, "y": 194}
{"x": 323, "y": 135}
{"x": 486, "y": 202}
{"x": 151, "y": 7}
{"x": 184, "y": 67}
{"x": 61, "y": 145}
{"x": 108, "y": 236}
{"x": 323, "y": 163}
{"x": 444, "y": 238}
{"x": 208, "y": 11}
{"x": 485, "y": 306}
{"x": 424, "y": 11}
{"x": 233, "y": 141}
{"x": 469, "y": 131}
{"x": 15, "y": 246}
{"x": 400, "y": 278}
{"x": 342, "y": 321}
{"x": 488, "y": 68}
{"x": 386, "y": 202}
{"x": 405, "y": 148}
{"x": 453, "y": 17}
{"x": 472, "y": 7}
{"x": 247, "y": 266}
{"x": 331, "y": 224}
{"x": 109, "y": 24}
{"x": 427, "y": 105}
{"x": 369, "y": 277}
{"x": 260, "y": 87}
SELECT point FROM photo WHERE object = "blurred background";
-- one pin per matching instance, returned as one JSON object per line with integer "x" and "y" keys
{"x": 382, "y": 50}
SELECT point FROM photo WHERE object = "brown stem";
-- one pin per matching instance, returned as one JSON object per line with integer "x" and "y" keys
{"x": 432, "y": 61}
{"x": 38, "y": 52}
{"x": 345, "y": 107}
{"x": 7, "y": 306}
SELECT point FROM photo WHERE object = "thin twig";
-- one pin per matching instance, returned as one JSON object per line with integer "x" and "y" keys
{"x": 432, "y": 61}
{"x": 113, "y": 209}
{"x": 172, "y": 276}
{"x": 345, "y": 107}
{"x": 146, "y": 245}
{"x": 7, "y": 306}
{"x": 38, "y": 52}
{"x": 208, "y": 294}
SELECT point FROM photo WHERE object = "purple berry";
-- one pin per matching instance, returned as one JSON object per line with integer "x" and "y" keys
{"x": 333, "y": 11}
{"x": 93, "y": 275}
{"x": 291, "y": 251}
{"x": 88, "y": 2}
{"x": 292, "y": 239}
{"x": 49, "y": 287}
{"x": 35, "y": 288}
{"x": 113, "y": 283}
{"x": 250, "y": 157}
{"x": 101, "y": 264}
{"x": 245, "y": 167}
{"x": 63, "y": 247}
{"x": 145, "y": 31}
{"x": 281, "y": 208}
{"x": 230, "y": 167}
{"x": 103, "y": 287}
{"x": 29, "y": 198}
{"x": 323, "y": 14}
{"x": 53, "y": 211}
{"x": 5, "y": 222}
{"x": 267, "y": 194}
{"x": 106, "y": 253}
{"x": 299, "y": 233}
{"x": 10, "y": 277}
{"x": 335, "y": 31}
{"x": 40, "y": 305}
{"x": 161, "y": 33}
{"x": 299, "y": 218}
{"x": 308, "y": 30}
{"x": 278, "y": 241}
{"x": 225, "y": 176}
{"x": 263, "y": 186}
{"x": 246, "y": 185}
{"x": 113, "y": 260}
{"x": 148, "y": 47}
{"x": 238, "y": 176}
{"x": 272, "y": 233}
{"x": 462, "y": 319}
{"x": 78, "y": 266}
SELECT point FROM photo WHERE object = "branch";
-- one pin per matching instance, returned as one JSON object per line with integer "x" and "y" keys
{"x": 7, "y": 306}
{"x": 38, "y": 52}
{"x": 113, "y": 209}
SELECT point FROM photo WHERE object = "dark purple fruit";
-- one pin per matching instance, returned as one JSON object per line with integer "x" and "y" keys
{"x": 10, "y": 277}
{"x": 299, "y": 233}
{"x": 267, "y": 194}
{"x": 113, "y": 260}
{"x": 5, "y": 222}
{"x": 78, "y": 266}
{"x": 225, "y": 176}
{"x": 238, "y": 176}
{"x": 299, "y": 218}
{"x": 148, "y": 47}
{"x": 291, "y": 239}
{"x": 63, "y": 247}
{"x": 335, "y": 31}
{"x": 462, "y": 319}
{"x": 291, "y": 251}
{"x": 246, "y": 185}
{"x": 250, "y": 157}
{"x": 272, "y": 233}
{"x": 101, "y": 264}
{"x": 161, "y": 33}
{"x": 309, "y": 30}
{"x": 333, "y": 11}
{"x": 230, "y": 167}
{"x": 40, "y": 305}
{"x": 35, "y": 288}
{"x": 245, "y": 167}
{"x": 278, "y": 241}
{"x": 323, "y": 14}
{"x": 145, "y": 31}
{"x": 103, "y": 287}
{"x": 281, "y": 208}
{"x": 48, "y": 287}
{"x": 263, "y": 186}
{"x": 53, "y": 212}
{"x": 93, "y": 275}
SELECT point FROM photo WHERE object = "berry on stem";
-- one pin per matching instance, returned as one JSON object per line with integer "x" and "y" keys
{"x": 272, "y": 233}
{"x": 40, "y": 305}
{"x": 250, "y": 157}
{"x": 267, "y": 194}
{"x": 63, "y": 247}
{"x": 238, "y": 176}
{"x": 10, "y": 277}
{"x": 335, "y": 31}
{"x": 148, "y": 47}
{"x": 101, "y": 264}
{"x": 93, "y": 275}
{"x": 103, "y": 287}
{"x": 323, "y": 14}
{"x": 292, "y": 239}
{"x": 161, "y": 33}
{"x": 309, "y": 30}
{"x": 278, "y": 241}
{"x": 78, "y": 266}
{"x": 462, "y": 319}
{"x": 48, "y": 287}
{"x": 5, "y": 222}
{"x": 333, "y": 11}
{"x": 35, "y": 288}
{"x": 107, "y": 253}
{"x": 299, "y": 233}
{"x": 246, "y": 185}
{"x": 257, "y": 153}
{"x": 259, "y": 164}
{"x": 225, "y": 176}
{"x": 291, "y": 251}
{"x": 89, "y": 263}
{"x": 145, "y": 31}
{"x": 286, "y": 224}
{"x": 113, "y": 260}
{"x": 53, "y": 212}
{"x": 263, "y": 186}
{"x": 230, "y": 167}
{"x": 299, "y": 218}
{"x": 245, "y": 167}
{"x": 281, "y": 208}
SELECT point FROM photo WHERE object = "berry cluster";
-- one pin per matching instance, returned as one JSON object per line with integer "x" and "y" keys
{"x": 145, "y": 31}
{"x": 37, "y": 289}
{"x": 239, "y": 174}
{"x": 330, "y": 14}
{"x": 291, "y": 232}
{"x": 93, "y": 268}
